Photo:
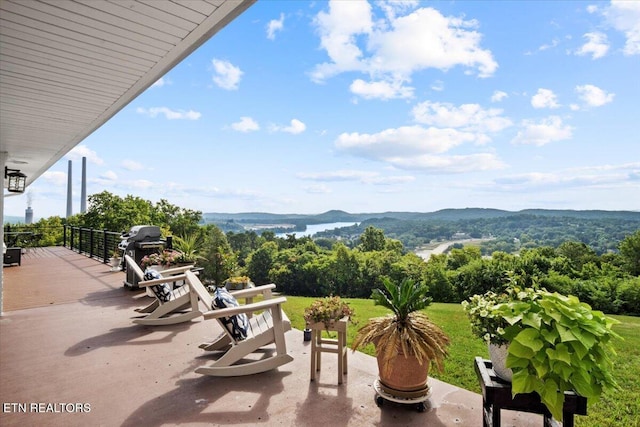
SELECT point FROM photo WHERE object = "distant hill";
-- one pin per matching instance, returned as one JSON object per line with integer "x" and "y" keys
{"x": 441, "y": 215}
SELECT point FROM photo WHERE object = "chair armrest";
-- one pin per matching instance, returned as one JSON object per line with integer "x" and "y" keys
{"x": 250, "y": 292}
{"x": 247, "y": 308}
{"x": 175, "y": 270}
{"x": 168, "y": 279}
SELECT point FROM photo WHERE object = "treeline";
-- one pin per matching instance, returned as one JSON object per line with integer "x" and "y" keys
{"x": 508, "y": 233}
{"x": 607, "y": 282}
{"x": 606, "y": 279}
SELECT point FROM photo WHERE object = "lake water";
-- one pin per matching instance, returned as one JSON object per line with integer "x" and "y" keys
{"x": 316, "y": 228}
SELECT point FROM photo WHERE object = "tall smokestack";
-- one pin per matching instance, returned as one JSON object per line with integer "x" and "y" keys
{"x": 28, "y": 213}
{"x": 83, "y": 191}
{"x": 69, "y": 192}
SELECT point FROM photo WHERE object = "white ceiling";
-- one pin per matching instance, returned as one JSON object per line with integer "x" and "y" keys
{"x": 67, "y": 66}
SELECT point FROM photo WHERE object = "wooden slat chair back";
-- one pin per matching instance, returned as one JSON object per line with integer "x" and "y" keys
{"x": 130, "y": 262}
{"x": 267, "y": 326}
{"x": 181, "y": 306}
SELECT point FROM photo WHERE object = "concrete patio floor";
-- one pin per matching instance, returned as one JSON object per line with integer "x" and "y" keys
{"x": 70, "y": 356}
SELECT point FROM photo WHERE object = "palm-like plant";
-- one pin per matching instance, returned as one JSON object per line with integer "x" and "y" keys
{"x": 407, "y": 331}
{"x": 189, "y": 246}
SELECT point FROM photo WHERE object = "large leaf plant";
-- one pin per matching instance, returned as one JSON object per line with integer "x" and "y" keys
{"x": 407, "y": 331}
{"x": 557, "y": 343}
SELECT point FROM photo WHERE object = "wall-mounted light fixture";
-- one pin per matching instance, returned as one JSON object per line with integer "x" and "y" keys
{"x": 17, "y": 181}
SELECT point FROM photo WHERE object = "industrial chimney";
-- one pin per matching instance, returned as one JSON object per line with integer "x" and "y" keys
{"x": 28, "y": 213}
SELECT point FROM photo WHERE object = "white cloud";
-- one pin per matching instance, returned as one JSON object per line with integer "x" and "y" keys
{"x": 416, "y": 147}
{"x": 227, "y": 76}
{"x": 294, "y": 128}
{"x": 109, "y": 175}
{"x": 467, "y": 116}
{"x": 80, "y": 151}
{"x": 589, "y": 177}
{"x": 246, "y": 124}
{"x": 597, "y": 45}
{"x": 551, "y": 45}
{"x": 390, "y": 49}
{"x": 543, "y": 132}
{"x": 498, "y": 96}
{"x": 132, "y": 165}
{"x": 160, "y": 82}
{"x": 56, "y": 178}
{"x": 438, "y": 86}
{"x": 169, "y": 114}
{"x": 625, "y": 17}
{"x": 544, "y": 98}
{"x": 380, "y": 89}
{"x": 593, "y": 96}
{"x": 275, "y": 25}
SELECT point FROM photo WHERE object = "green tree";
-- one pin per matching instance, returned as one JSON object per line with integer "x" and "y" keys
{"x": 260, "y": 262}
{"x": 372, "y": 239}
{"x": 630, "y": 253}
{"x": 221, "y": 261}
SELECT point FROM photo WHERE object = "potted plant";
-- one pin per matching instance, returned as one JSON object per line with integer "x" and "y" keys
{"x": 327, "y": 311}
{"x": 188, "y": 247}
{"x": 163, "y": 259}
{"x": 238, "y": 282}
{"x": 407, "y": 343}
{"x": 115, "y": 258}
{"x": 555, "y": 342}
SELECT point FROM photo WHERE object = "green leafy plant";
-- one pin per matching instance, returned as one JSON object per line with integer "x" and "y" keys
{"x": 326, "y": 310}
{"x": 407, "y": 330}
{"x": 188, "y": 246}
{"x": 556, "y": 342}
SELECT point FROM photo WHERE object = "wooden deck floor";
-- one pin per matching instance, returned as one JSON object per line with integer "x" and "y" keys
{"x": 66, "y": 338}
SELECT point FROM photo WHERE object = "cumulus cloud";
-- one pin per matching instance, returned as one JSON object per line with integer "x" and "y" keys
{"x": 80, "y": 151}
{"x": 471, "y": 117}
{"x": 295, "y": 127}
{"x": 544, "y": 98}
{"x": 246, "y": 124}
{"x": 597, "y": 45}
{"x": 132, "y": 165}
{"x": 274, "y": 26}
{"x": 56, "y": 178}
{"x": 390, "y": 48}
{"x": 593, "y": 96}
{"x": 380, "y": 89}
{"x": 624, "y": 16}
{"x": 550, "y": 129}
{"x": 417, "y": 147}
{"x": 169, "y": 114}
{"x": 226, "y": 75}
{"x": 498, "y": 96}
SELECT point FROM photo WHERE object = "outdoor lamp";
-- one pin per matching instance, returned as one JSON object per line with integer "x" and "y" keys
{"x": 17, "y": 180}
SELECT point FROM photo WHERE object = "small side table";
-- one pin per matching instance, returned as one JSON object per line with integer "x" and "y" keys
{"x": 321, "y": 345}
{"x": 496, "y": 395}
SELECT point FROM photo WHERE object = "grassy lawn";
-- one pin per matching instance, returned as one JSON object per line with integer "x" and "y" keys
{"x": 621, "y": 408}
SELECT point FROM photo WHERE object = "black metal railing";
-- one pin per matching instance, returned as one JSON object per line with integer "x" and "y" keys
{"x": 98, "y": 244}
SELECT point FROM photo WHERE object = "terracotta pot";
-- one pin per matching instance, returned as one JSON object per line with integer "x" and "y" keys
{"x": 406, "y": 374}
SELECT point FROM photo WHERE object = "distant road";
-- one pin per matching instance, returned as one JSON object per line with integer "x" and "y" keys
{"x": 442, "y": 247}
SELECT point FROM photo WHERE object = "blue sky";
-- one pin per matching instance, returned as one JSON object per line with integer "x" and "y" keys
{"x": 303, "y": 107}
